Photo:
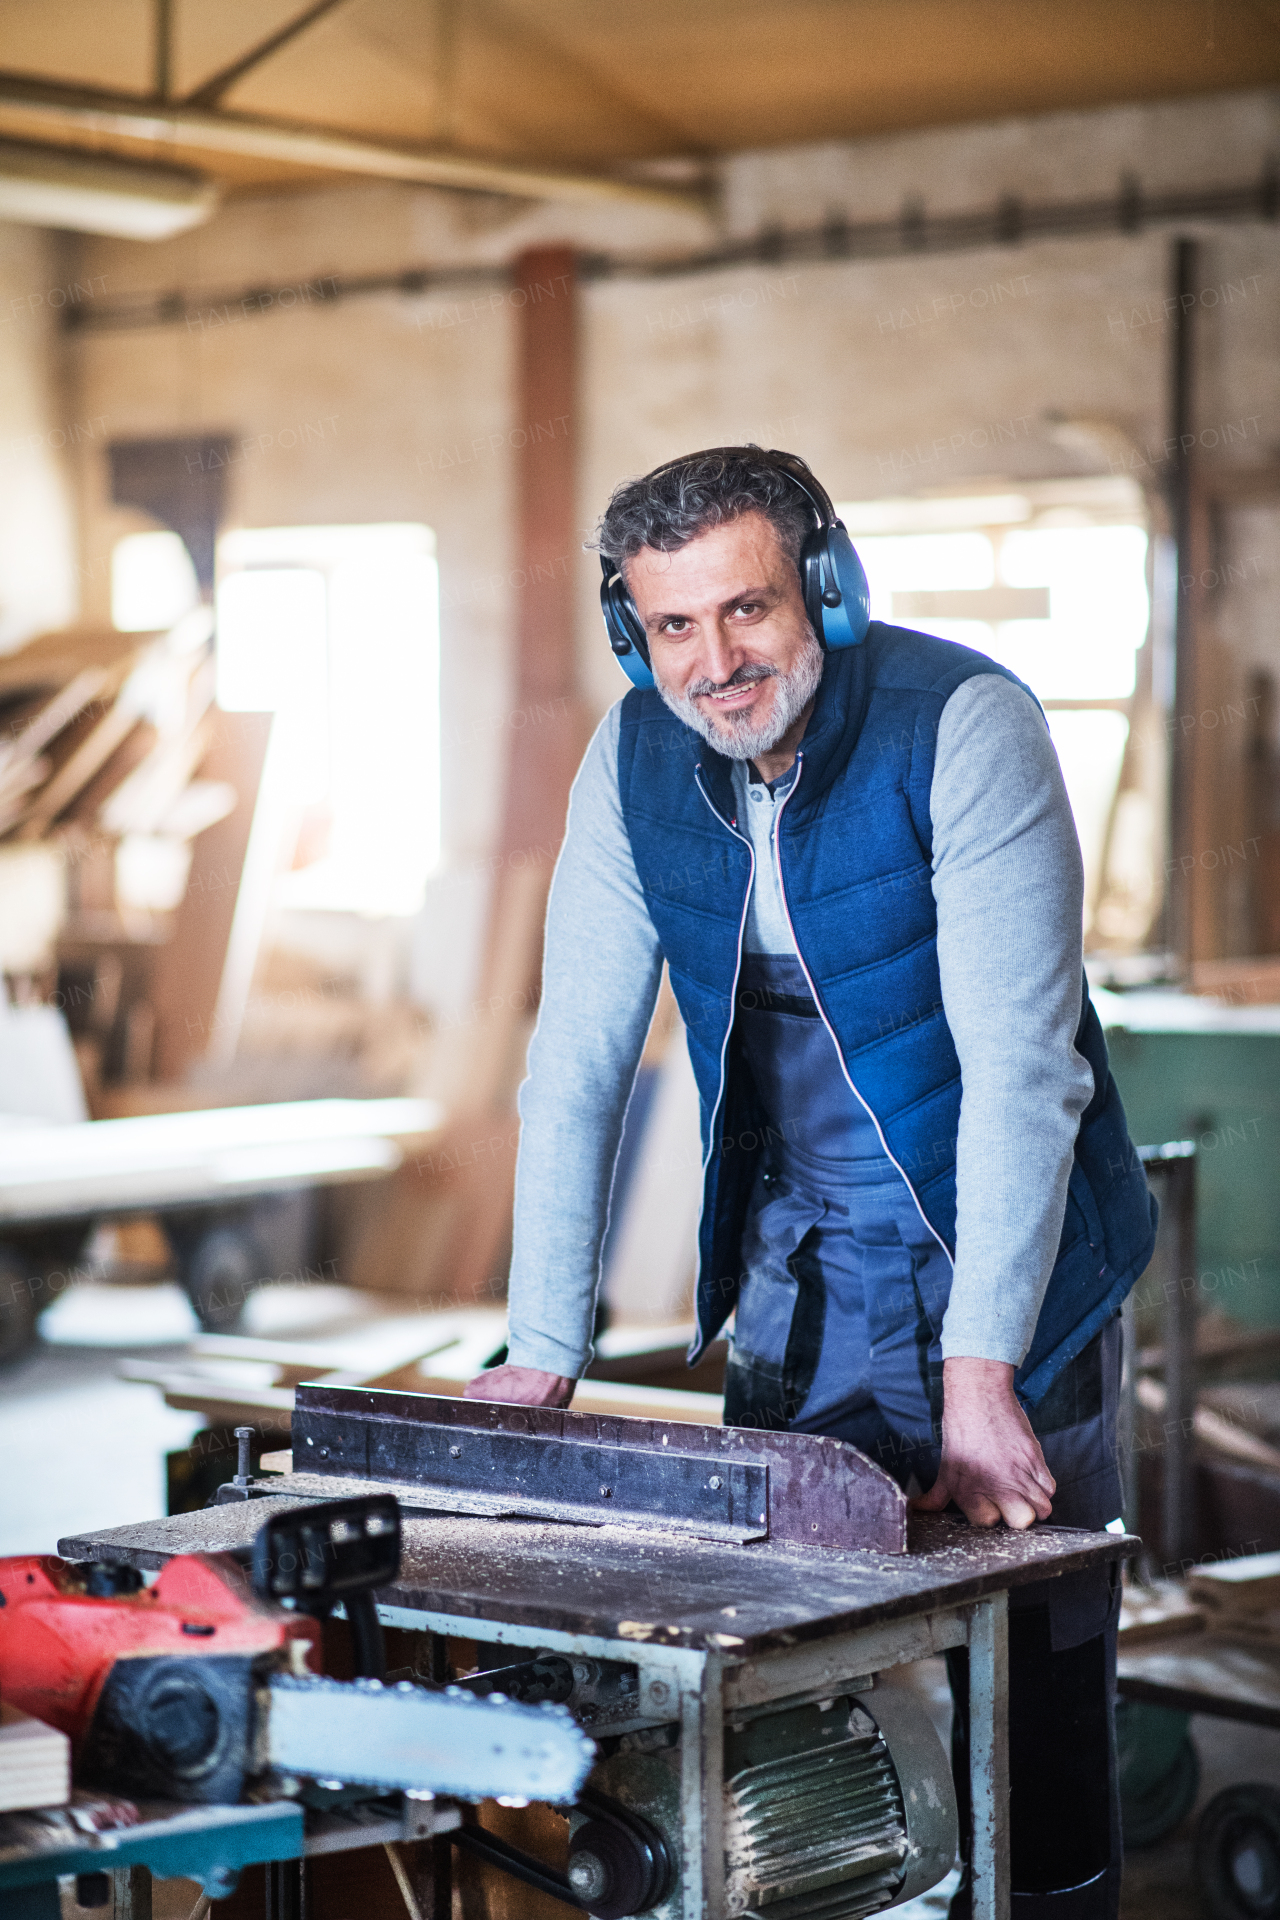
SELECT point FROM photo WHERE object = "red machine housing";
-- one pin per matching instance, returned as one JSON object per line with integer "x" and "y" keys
{"x": 59, "y": 1641}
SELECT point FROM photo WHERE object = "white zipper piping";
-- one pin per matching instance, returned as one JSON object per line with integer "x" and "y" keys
{"x": 733, "y": 1002}
{"x": 822, "y": 1012}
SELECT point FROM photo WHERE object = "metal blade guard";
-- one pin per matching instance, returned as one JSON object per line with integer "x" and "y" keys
{"x": 477, "y": 1457}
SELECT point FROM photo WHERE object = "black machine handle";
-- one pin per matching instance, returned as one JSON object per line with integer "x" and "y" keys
{"x": 336, "y": 1553}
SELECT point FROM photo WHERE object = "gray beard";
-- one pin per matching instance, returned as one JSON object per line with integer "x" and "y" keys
{"x": 736, "y": 736}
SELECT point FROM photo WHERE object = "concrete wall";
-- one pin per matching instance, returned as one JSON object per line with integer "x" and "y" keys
{"x": 38, "y": 543}
{"x": 891, "y": 376}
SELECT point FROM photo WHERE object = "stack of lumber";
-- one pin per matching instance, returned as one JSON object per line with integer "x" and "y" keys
{"x": 35, "y": 1763}
{"x": 1153, "y": 1612}
{"x": 101, "y": 737}
{"x": 1235, "y": 1600}
{"x": 1240, "y": 1598}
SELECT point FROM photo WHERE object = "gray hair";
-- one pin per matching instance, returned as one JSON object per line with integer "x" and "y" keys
{"x": 669, "y": 508}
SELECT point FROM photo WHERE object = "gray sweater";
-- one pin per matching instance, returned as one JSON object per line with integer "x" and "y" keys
{"x": 1009, "y": 887}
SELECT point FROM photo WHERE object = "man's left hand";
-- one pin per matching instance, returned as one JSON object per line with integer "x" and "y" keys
{"x": 521, "y": 1387}
{"x": 992, "y": 1466}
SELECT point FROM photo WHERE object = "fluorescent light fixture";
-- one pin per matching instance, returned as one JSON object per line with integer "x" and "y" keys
{"x": 89, "y": 193}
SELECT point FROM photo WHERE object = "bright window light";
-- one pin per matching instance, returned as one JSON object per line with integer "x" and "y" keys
{"x": 153, "y": 582}
{"x": 914, "y": 562}
{"x": 1098, "y": 610}
{"x": 272, "y": 648}
{"x": 1090, "y": 745}
{"x": 335, "y": 630}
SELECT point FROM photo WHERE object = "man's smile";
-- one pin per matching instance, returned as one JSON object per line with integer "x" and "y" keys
{"x": 735, "y": 696}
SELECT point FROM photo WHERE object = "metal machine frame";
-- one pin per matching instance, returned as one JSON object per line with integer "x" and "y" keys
{"x": 703, "y": 1688}
{"x": 506, "y": 1542}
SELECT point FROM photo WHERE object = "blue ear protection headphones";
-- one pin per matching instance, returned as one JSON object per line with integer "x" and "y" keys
{"x": 836, "y": 597}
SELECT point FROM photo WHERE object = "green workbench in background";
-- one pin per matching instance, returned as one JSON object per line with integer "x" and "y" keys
{"x": 1189, "y": 1067}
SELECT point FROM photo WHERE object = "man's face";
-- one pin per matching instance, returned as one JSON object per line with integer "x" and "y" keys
{"x": 729, "y": 640}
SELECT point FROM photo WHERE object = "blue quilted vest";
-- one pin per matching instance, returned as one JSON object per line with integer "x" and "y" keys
{"x": 855, "y": 841}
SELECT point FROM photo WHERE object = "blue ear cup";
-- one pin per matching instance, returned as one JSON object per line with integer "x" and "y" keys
{"x": 837, "y": 596}
{"x": 635, "y": 669}
{"x": 623, "y": 626}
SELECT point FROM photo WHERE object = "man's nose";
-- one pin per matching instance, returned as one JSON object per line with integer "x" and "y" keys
{"x": 720, "y": 658}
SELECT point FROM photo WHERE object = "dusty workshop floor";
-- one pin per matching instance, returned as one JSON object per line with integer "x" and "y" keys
{"x": 80, "y": 1447}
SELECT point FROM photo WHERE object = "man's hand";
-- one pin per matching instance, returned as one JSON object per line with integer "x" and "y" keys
{"x": 992, "y": 1466}
{"x": 521, "y": 1387}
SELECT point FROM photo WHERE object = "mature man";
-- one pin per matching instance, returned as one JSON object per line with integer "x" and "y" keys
{"x": 920, "y": 1203}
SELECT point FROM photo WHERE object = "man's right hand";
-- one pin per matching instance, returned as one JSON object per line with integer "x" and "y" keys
{"x": 521, "y": 1387}
{"x": 992, "y": 1465}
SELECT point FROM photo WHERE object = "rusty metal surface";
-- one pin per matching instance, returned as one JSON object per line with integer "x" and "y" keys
{"x": 480, "y": 1455}
{"x": 653, "y": 1588}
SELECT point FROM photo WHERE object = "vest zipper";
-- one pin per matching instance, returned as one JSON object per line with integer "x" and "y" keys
{"x": 733, "y": 1002}
{"x": 782, "y": 893}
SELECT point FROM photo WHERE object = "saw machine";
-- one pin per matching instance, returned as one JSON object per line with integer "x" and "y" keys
{"x": 202, "y": 1736}
{"x": 718, "y": 1610}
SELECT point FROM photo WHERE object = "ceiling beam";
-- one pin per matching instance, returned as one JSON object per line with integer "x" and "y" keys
{"x": 211, "y": 90}
{"x": 162, "y": 25}
{"x": 77, "y": 112}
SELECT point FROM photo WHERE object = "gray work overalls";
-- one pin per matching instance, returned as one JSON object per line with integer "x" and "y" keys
{"x": 837, "y": 1331}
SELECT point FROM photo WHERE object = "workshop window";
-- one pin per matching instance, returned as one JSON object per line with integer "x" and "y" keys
{"x": 153, "y": 583}
{"x": 335, "y": 630}
{"x": 1051, "y": 581}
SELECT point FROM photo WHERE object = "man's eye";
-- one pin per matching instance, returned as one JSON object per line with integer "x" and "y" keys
{"x": 748, "y": 606}
{"x": 674, "y": 626}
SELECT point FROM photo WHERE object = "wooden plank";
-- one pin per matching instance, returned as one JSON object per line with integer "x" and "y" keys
{"x": 1235, "y": 1588}
{"x": 188, "y": 971}
{"x": 93, "y": 752}
{"x": 223, "y": 1403}
{"x": 35, "y": 1762}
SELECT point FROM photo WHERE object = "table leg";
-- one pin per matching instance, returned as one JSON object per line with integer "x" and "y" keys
{"x": 131, "y": 1891}
{"x": 1179, "y": 1515}
{"x": 989, "y": 1756}
{"x": 702, "y": 1794}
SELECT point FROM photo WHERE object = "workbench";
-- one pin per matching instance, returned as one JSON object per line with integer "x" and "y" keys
{"x": 210, "y": 1175}
{"x": 713, "y": 1626}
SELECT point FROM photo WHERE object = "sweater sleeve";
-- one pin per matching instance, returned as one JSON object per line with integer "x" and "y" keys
{"x": 1009, "y": 885}
{"x": 601, "y": 971}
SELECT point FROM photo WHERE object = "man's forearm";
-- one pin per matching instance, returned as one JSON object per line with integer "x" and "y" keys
{"x": 1009, "y": 889}
{"x": 601, "y": 971}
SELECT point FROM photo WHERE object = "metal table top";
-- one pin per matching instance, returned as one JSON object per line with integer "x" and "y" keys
{"x": 656, "y": 1588}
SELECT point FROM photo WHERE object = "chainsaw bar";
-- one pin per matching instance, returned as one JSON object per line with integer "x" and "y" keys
{"x": 367, "y": 1734}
